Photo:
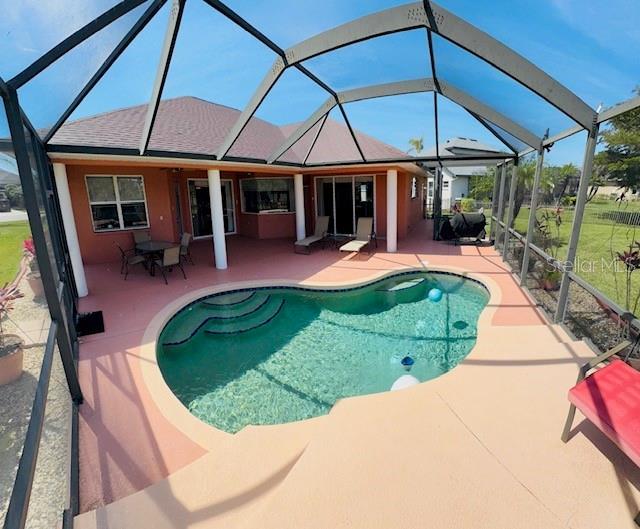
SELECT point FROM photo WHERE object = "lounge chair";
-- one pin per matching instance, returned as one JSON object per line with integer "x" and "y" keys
{"x": 304, "y": 245}
{"x": 127, "y": 259}
{"x": 170, "y": 258}
{"x": 364, "y": 236}
{"x": 185, "y": 253}
{"x": 609, "y": 398}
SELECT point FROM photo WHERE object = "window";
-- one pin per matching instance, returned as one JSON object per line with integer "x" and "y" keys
{"x": 445, "y": 184}
{"x": 414, "y": 187}
{"x": 267, "y": 195}
{"x": 117, "y": 202}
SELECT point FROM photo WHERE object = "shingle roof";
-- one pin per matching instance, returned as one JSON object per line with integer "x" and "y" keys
{"x": 463, "y": 147}
{"x": 192, "y": 125}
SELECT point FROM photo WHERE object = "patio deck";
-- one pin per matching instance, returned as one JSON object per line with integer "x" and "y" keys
{"x": 480, "y": 445}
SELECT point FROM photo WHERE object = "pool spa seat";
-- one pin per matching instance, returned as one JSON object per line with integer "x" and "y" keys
{"x": 610, "y": 399}
{"x": 304, "y": 245}
{"x": 364, "y": 236}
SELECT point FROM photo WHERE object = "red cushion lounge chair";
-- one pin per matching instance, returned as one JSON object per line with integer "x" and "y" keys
{"x": 610, "y": 399}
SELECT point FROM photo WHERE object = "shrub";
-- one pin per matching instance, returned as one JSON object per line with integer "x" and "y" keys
{"x": 14, "y": 194}
{"x": 467, "y": 204}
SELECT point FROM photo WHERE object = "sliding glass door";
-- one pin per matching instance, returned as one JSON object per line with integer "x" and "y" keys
{"x": 200, "y": 204}
{"x": 344, "y": 199}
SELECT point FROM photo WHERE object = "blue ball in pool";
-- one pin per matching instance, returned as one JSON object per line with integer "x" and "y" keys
{"x": 435, "y": 295}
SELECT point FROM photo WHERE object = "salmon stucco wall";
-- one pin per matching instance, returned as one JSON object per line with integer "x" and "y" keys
{"x": 381, "y": 205}
{"x": 415, "y": 206}
{"x": 99, "y": 247}
{"x": 166, "y": 191}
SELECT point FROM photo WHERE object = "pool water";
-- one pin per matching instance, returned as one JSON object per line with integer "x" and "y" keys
{"x": 277, "y": 355}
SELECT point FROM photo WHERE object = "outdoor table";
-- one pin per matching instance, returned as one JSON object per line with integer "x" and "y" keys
{"x": 151, "y": 249}
{"x": 153, "y": 246}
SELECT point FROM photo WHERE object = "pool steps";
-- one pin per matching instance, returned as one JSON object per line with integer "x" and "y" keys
{"x": 229, "y": 300}
{"x": 239, "y": 318}
{"x": 239, "y": 326}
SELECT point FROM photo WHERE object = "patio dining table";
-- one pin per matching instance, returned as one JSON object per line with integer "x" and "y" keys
{"x": 152, "y": 250}
{"x": 150, "y": 247}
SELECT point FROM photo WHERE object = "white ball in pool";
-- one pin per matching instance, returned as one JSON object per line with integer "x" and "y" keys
{"x": 435, "y": 295}
{"x": 405, "y": 381}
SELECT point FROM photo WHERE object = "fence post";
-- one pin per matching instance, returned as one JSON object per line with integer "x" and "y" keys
{"x": 532, "y": 217}
{"x": 581, "y": 202}
{"x": 437, "y": 202}
{"x": 494, "y": 195}
{"x": 50, "y": 281}
{"x": 503, "y": 181}
{"x": 512, "y": 199}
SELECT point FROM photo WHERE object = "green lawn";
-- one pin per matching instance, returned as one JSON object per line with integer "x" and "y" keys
{"x": 11, "y": 236}
{"x": 600, "y": 239}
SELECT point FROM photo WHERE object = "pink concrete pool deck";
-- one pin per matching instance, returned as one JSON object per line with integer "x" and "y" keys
{"x": 480, "y": 445}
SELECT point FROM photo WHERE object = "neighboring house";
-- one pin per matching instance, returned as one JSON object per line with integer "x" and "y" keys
{"x": 113, "y": 191}
{"x": 455, "y": 180}
{"x": 8, "y": 170}
{"x": 614, "y": 191}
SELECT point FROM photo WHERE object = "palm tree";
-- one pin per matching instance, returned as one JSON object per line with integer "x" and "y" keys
{"x": 417, "y": 145}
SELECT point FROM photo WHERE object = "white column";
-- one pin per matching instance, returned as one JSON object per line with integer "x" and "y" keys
{"x": 69, "y": 223}
{"x": 299, "y": 197}
{"x": 217, "y": 219}
{"x": 392, "y": 210}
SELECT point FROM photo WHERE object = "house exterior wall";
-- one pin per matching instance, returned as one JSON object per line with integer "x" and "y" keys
{"x": 257, "y": 226}
{"x": 99, "y": 247}
{"x": 459, "y": 188}
{"x": 168, "y": 206}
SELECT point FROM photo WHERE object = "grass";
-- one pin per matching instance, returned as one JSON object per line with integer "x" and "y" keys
{"x": 11, "y": 236}
{"x": 600, "y": 239}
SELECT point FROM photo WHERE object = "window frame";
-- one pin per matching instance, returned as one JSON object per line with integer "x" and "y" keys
{"x": 118, "y": 202}
{"x": 292, "y": 196}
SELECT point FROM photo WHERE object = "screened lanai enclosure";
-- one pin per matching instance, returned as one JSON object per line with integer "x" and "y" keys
{"x": 417, "y": 65}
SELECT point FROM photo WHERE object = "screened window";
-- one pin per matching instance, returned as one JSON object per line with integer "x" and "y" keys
{"x": 267, "y": 195}
{"x": 117, "y": 202}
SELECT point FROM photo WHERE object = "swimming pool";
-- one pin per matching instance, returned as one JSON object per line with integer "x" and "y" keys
{"x": 281, "y": 354}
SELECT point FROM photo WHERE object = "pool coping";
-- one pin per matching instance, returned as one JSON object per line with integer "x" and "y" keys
{"x": 208, "y": 436}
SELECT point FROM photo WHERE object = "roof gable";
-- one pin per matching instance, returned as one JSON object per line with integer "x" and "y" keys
{"x": 195, "y": 126}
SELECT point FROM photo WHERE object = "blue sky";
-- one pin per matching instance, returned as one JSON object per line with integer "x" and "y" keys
{"x": 590, "y": 46}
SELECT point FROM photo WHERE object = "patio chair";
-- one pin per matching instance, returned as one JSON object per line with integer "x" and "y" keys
{"x": 609, "y": 399}
{"x": 185, "y": 252}
{"x": 322, "y": 226}
{"x": 364, "y": 236}
{"x": 170, "y": 258}
{"x": 128, "y": 258}
{"x": 141, "y": 236}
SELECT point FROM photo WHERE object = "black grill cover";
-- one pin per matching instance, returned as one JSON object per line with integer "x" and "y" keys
{"x": 463, "y": 225}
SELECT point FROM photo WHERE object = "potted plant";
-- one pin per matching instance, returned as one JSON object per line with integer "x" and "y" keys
{"x": 11, "y": 355}
{"x": 33, "y": 276}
